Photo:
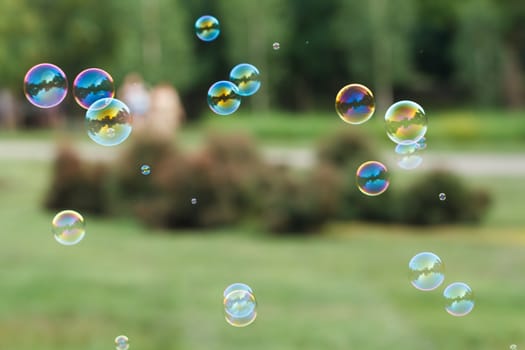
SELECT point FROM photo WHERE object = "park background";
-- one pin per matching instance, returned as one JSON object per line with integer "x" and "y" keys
{"x": 341, "y": 285}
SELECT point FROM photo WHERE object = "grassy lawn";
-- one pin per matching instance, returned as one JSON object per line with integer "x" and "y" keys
{"x": 346, "y": 289}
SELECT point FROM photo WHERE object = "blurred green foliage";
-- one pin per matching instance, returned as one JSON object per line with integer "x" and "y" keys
{"x": 465, "y": 52}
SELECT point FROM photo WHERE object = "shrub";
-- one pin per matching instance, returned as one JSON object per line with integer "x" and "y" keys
{"x": 77, "y": 185}
{"x": 421, "y": 204}
{"x": 345, "y": 149}
{"x": 298, "y": 204}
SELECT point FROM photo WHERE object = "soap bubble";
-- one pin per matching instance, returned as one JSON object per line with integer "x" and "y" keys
{"x": 427, "y": 271}
{"x": 239, "y": 305}
{"x": 406, "y": 149}
{"x": 442, "y": 196}
{"x": 513, "y": 347}
{"x": 108, "y": 122}
{"x": 405, "y": 122}
{"x": 45, "y": 85}
{"x": 276, "y": 46}
{"x": 459, "y": 299}
{"x": 68, "y": 227}
{"x": 194, "y": 201}
{"x": 410, "y": 162}
{"x": 223, "y": 97}
{"x": 207, "y": 28}
{"x": 246, "y": 77}
{"x": 91, "y": 85}
{"x": 121, "y": 342}
{"x": 145, "y": 169}
{"x": 355, "y": 104}
{"x": 372, "y": 178}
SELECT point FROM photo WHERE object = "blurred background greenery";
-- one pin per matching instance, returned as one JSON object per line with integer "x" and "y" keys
{"x": 328, "y": 265}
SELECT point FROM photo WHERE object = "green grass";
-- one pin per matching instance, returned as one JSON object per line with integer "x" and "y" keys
{"x": 346, "y": 289}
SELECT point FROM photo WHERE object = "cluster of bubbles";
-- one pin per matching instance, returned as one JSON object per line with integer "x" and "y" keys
{"x": 427, "y": 273}
{"x": 121, "y": 342}
{"x": 108, "y": 120}
{"x": 207, "y": 28}
{"x": 224, "y": 97}
{"x": 68, "y": 227}
{"x": 409, "y": 157}
{"x": 240, "y": 306}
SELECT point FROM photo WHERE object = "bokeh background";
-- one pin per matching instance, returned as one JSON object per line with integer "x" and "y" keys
{"x": 275, "y": 205}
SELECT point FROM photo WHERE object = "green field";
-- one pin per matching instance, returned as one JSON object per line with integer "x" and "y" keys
{"x": 345, "y": 289}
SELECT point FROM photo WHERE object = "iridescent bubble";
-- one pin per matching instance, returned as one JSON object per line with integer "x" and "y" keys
{"x": 91, "y": 85}
{"x": 276, "y": 46}
{"x": 427, "y": 271}
{"x": 406, "y": 149}
{"x": 108, "y": 121}
{"x": 121, "y": 342}
{"x": 194, "y": 201}
{"x": 145, "y": 169}
{"x": 246, "y": 77}
{"x": 45, "y": 85}
{"x": 237, "y": 286}
{"x": 68, "y": 227}
{"x": 355, "y": 104}
{"x": 405, "y": 122}
{"x": 207, "y": 28}
{"x": 459, "y": 299}
{"x": 410, "y": 162}
{"x": 223, "y": 97}
{"x": 239, "y": 306}
{"x": 372, "y": 178}
{"x": 442, "y": 196}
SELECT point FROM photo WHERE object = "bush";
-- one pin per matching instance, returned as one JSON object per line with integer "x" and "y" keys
{"x": 302, "y": 204}
{"x": 78, "y": 186}
{"x": 345, "y": 149}
{"x": 421, "y": 204}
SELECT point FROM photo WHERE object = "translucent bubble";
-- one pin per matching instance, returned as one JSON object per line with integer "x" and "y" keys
{"x": 108, "y": 122}
{"x": 459, "y": 299}
{"x": 145, "y": 169}
{"x": 207, "y": 28}
{"x": 405, "y": 122}
{"x": 427, "y": 271}
{"x": 194, "y": 201}
{"x": 91, "y": 85}
{"x": 45, "y": 85}
{"x": 355, "y": 104}
{"x": 410, "y": 162}
{"x": 276, "y": 46}
{"x": 239, "y": 305}
{"x": 68, "y": 227}
{"x": 442, "y": 196}
{"x": 223, "y": 97}
{"x": 406, "y": 149}
{"x": 513, "y": 347}
{"x": 246, "y": 77}
{"x": 372, "y": 178}
{"x": 121, "y": 342}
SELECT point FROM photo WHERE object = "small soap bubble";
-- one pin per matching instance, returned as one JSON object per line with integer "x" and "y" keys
{"x": 410, "y": 162}
{"x": 45, "y": 85}
{"x": 91, "y": 85}
{"x": 224, "y": 98}
{"x": 427, "y": 271}
{"x": 145, "y": 169}
{"x": 194, "y": 201}
{"x": 459, "y": 299}
{"x": 207, "y": 28}
{"x": 372, "y": 178}
{"x": 121, "y": 342}
{"x": 513, "y": 347}
{"x": 355, "y": 104}
{"x": 405, "y": 122}
{"x": 239, "y": 305}
{"x": 442, "y": 196}
{"x": 276, "y": 46}
{"x": 68, "y": 227}
{"x": 246, "y": 77}
{"x": 108, "y": 122}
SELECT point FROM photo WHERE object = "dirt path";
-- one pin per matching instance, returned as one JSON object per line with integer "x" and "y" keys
{"x": 466, "y": 163}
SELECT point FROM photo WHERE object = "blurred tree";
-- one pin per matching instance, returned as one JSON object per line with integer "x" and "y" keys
{"x": 249, "y": 29}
